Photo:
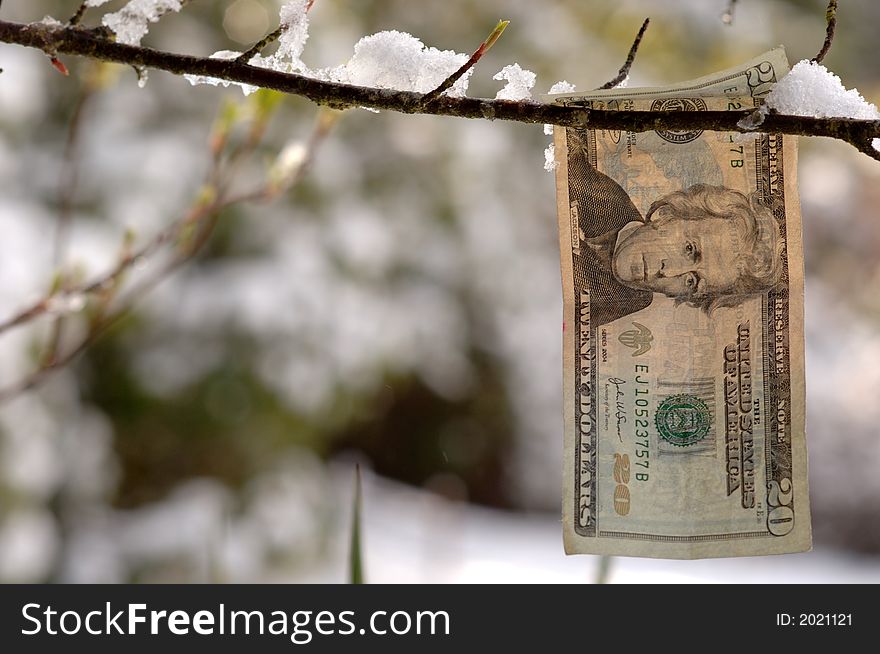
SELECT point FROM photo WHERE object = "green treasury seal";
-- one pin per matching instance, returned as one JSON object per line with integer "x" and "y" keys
{"x": 683, "y": 419}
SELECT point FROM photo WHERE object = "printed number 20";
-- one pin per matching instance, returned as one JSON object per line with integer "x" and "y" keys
{"x": 780, "y": 519}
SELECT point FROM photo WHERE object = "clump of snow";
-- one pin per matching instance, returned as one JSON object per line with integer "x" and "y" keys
{"x": 397, "y": 60}
{"x": 274, "y": 63}
{"x": 96, "y": 3}
{"x": 54, "y": 23}
{"x": 247, "y": 89}
{"x": 287, "y": 59}
{"x": 550, "y": 163}
{"x": 562, "y": 87}
{"x": 519, "y": 83}
{"x": 810, "y": 89}
{"x": 132, "y": 22}
{"x": 389, "y": 60}
{"x": 295, "y": 30}
{"x": 753, "y": 120}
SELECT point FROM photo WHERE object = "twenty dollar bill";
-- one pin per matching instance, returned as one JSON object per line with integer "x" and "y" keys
{"x": 682, "y": 269}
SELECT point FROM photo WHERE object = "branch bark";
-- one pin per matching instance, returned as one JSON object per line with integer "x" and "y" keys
{"x": 87, "y": 43}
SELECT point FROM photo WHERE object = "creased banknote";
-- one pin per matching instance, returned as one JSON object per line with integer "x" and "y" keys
{"x": 682, "y": 270}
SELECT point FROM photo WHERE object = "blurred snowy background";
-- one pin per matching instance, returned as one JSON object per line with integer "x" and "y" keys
{"x": 400, "y": 308}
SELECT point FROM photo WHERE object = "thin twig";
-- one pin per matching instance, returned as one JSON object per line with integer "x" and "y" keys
{"x": 266, "y": 40}
{"x": 470, "y": 63}
{"x": 324, "y": 123}
{"x": 107, "y": 319}
{"x": 102, "y": 282}
{"x": 26, "y": 315}
{"x": 66, "y": 193}
{"x": 831, "y": 20}
{"x": 97, "y": 329}
{"x": 78, "y": 16}
{"x": 56, "y": 336}
{"x": 69, "y": 178}
{"x": 42, "y": 373}
{"x": 630, "y": 58}
{"x": 259, "y": 45}
{"x": 191, "y": 234}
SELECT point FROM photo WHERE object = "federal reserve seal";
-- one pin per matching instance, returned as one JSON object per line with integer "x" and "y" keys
{"x": 683, "y": 419}
{"x": 638, "y": 339}
{"x": 679, "y": 104}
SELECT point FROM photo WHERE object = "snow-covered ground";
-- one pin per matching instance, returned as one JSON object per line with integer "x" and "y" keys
{"x": 411, "y": 536}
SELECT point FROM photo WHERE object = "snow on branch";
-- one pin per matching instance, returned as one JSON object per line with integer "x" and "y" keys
{"x": 811, "y": 90}
{"x": 132, "y": 22}
{"x": 385, "y": 60}
{"x": 369, "y": 81}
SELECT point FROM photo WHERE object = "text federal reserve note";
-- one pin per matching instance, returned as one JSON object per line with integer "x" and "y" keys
{"x": 682, "y": 268}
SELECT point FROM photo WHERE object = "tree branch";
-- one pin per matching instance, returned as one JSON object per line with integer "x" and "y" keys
{"x": 77, "y": 41}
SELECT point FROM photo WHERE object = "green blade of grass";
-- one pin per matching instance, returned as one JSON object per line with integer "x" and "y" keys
{"x": 603, "y": 571}
{"x": 356, "y": 565}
